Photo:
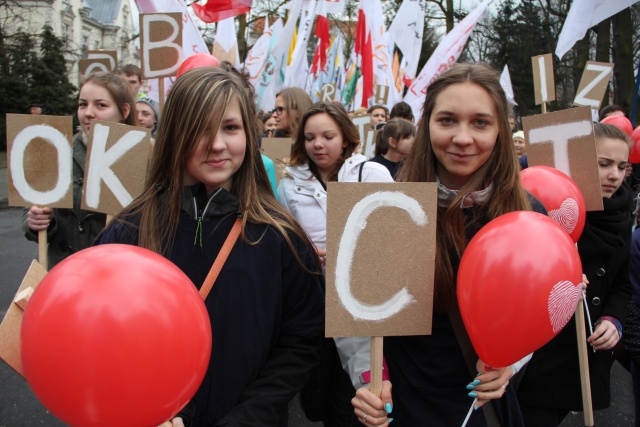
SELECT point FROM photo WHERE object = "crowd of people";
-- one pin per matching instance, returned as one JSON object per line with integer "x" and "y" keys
{"x": 267, "y": 306}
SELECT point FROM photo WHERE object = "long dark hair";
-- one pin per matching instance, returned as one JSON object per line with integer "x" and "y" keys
{"x": 501, "y": 170}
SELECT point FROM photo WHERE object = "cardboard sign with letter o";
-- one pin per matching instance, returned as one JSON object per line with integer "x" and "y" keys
{"x": 40, "y": 160}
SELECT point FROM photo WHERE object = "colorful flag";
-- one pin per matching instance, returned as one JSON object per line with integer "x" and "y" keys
{"x": 272, "y": 77}
{"x": 298, "y": 68}
{"x": 217, "y": 10}
{"x": 445, "y": 55}
{"x": 257, "y": 56}
{"x": 329, "y": 74}
{"x": 406, "y": 31}
{"x": 583, "y": 15}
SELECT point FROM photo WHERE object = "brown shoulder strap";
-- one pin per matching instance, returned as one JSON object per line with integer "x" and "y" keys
{"x": 471, "y": 358}
{"x": 221, "y": 259}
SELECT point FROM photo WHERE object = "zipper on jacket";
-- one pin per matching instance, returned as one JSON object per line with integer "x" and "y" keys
{"x": 199, "y": 215}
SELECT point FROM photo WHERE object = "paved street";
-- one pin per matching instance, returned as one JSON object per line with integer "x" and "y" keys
{"x": 19, "y": 408}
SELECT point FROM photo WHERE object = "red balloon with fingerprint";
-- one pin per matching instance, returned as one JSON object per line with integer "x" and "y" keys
{"x": 518, "y": 286}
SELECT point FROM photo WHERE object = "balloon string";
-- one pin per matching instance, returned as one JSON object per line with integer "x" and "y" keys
{"x": 586, "y": 309}
{"x": 464, "y": 423}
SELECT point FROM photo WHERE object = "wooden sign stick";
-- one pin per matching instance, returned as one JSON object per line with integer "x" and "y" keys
{"x": 376, "y": 365}
{"x": 42, "y": 249}
{"x": 161, "y": 90}
{"x": 544, "y": 108}
{"x": 587, "y": 405}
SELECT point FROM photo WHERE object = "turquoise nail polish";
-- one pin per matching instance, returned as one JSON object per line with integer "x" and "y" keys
{"x": 476, "y": 382}
{"x": 388, "y": 408}
{"x": 473, "y": 394}
{"x": 470, "y": 386}
{"x": 390, "y": 420}
{"x": 476, "y": 408}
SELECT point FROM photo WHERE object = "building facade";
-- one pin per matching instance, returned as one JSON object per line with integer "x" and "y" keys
{"x": 84, "y": 25}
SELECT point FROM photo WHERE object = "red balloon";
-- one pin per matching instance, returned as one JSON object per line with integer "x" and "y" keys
{"x": 634, "y": 155}
{"x": 197, "y": 60}
{"x": 560, "y": 196}
{"x": 115, "y": 335}
{"x": 620, "y": 122}
{"x": 518, "y": 286}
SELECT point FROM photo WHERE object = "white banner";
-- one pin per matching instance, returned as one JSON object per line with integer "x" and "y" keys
{"x": 583, "y": 15}
{"x": 445, "y": 55}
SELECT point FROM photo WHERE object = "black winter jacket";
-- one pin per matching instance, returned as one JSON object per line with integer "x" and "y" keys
{"x": 552, "y": 377}
{"x": 266, "y": 311}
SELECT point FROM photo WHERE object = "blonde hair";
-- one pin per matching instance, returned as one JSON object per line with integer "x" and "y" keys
{"x": 296, "y": 102}
{"x": 501, "y": 170}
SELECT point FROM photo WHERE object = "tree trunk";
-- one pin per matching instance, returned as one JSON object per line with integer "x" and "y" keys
{"x": 603, "y": 49}
{"x": 449, "y": 15}
{"x": 623, "y": 58}
{"x": 242, "y": 39}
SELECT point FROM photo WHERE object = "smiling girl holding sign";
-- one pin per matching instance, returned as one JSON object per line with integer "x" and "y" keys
{"x": 103, "y": 96}
{"x": 464, "y": 143}
{"x": 206, "y": 181}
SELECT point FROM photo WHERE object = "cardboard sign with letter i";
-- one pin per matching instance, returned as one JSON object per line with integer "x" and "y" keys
{"x": 544, "y": 86}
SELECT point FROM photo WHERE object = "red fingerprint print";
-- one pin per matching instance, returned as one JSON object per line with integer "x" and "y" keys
{"x": 562, "y": 303}
{"x": 566, "y": 215}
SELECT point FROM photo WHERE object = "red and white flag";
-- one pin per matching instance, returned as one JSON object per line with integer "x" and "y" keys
{"x": 445, "y": 55}
{"x": 217, "y": 10}
{"x": 324, "y": 39}
{"x": 364, "y": 55}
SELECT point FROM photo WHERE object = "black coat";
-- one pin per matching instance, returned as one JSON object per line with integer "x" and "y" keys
{"x": 552, "y": 377}
{"x": 266, "y": 311}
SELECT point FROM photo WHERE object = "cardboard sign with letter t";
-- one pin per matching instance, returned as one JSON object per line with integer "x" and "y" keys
{"x": 565, "y": 140}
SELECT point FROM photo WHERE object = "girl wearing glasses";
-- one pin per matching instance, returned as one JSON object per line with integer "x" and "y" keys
{"x": 291, "y": 104}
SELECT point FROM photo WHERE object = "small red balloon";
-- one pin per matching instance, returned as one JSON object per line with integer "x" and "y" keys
{"x": 560, "y": 195}
{"x": 115, "y": 335}
{"x": 634, "y": 154}
{"x": 518, "y": 286}
{"x": 620, "y": 122}
{"x": 197, "y": 60}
